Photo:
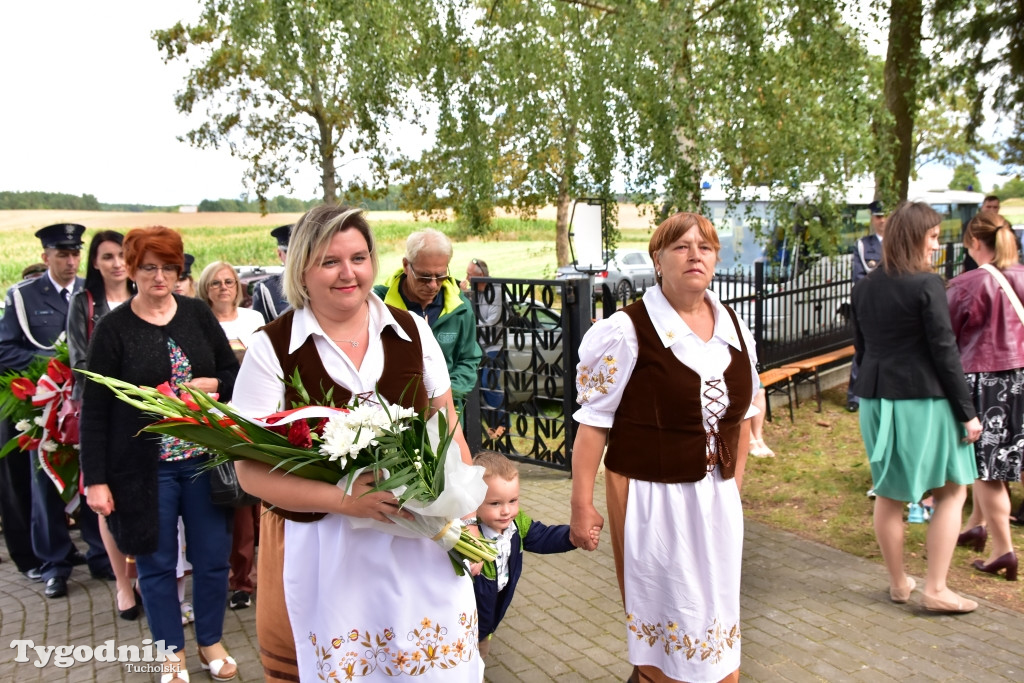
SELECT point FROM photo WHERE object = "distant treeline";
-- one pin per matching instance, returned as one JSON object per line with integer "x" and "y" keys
{"x": 28, "y": 201}
{"x": 375, "y": 200}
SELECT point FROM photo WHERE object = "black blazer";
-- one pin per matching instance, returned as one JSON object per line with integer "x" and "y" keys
{"x": 113, "y": 450}
{"x": 905, "y": 343}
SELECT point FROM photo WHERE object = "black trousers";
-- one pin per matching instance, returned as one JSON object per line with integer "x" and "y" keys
{"x": 16, "y": 502}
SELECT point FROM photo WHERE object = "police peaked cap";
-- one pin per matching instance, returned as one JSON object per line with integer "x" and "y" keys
{"x": 282, "y": 233}
{"x": 61, "y": 236}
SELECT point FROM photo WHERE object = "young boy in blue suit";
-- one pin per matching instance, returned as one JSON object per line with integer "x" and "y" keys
{"x": 500, "y": 519}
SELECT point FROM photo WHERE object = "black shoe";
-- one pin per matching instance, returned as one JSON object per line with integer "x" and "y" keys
{"x": 103, "y": 574}
{"x": 35, "y": 574}
{"x": 240, "y": 600}
{"x": 57, "y": 587}
{"x": 852, "y": 406}
{"x": 76, "y": 558}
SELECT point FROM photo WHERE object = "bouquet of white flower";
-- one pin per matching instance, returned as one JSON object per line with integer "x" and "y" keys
{"x": 410, "y": 453}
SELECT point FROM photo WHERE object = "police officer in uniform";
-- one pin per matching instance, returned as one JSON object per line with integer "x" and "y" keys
{"x": 268, "y": 297}
{"x": 867, "y": 254}
{"x": 35, "y": 315}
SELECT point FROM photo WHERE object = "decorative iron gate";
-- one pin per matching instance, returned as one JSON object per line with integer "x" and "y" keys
{"x": 530, "y": 331}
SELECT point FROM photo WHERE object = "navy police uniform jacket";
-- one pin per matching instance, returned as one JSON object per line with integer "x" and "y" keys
{"x": 491, "y": 604}
{"x": 268, "y": 298}
{"x": 867, "y": 255}
{"x": 46, "y": 313}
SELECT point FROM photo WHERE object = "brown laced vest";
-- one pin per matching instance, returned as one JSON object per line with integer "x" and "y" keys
{"x": 401, "y": 383}
{"x": 659, "y": 433}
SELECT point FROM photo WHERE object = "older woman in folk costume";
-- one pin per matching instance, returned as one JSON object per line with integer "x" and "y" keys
{"x": 336, "y": 599}
{"x": 667, "y": 383}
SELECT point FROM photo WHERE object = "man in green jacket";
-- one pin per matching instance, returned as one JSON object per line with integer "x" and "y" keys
{"x": 424, "y": 287}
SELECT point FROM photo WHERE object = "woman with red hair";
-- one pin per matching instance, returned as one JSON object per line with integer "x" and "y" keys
{"x": 142, "y": 482}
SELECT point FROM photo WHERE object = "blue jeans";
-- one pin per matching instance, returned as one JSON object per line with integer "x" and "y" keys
{"x": 207, "y": 546}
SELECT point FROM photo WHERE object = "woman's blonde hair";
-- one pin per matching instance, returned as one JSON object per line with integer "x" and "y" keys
{"x": 677, "y": 225}
{"x": 996, "y": 233}
{"x": 309, "y": 240}
{"x": 905, "y": 233}
{"x": 207, "y": 276}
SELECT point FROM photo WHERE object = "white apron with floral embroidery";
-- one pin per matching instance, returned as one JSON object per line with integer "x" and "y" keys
{"x": 422, "y": 625}
{"x": 682, "y": 551}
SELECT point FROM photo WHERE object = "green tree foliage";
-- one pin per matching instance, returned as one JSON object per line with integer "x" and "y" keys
{"x": 940, "y": 132}
{"x": 285, "y": 83}
{"x": 25, "y": 201}
{"x": 987, "y": 39}
{"x": 549, "y": 100}
{"x": 965, "y": 177}
{"x": 759, "y": 93}
{"x": 1012, "y": 188}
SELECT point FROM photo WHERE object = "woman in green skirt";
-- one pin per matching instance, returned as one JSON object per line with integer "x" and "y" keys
{"x": 916, "y": 414}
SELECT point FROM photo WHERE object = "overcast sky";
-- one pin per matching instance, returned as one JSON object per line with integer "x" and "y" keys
{"x": 88, "y": 107}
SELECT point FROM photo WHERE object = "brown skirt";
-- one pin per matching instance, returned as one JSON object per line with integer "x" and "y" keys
{"x": 273, "y": 628}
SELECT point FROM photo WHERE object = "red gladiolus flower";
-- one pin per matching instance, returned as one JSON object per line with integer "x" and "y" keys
{"x": 298, "y": 434}
{"x": 190, "y": 402}
{"x": 23, "y": 388}
{"x": 166, "y": 390}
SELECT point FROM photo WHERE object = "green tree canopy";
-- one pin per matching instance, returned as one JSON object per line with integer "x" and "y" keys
{"x": 965, "y": 177}
{"x": 289, "y": 83}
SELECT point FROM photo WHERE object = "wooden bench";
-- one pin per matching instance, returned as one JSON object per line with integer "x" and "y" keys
{"x": 807, "y": 369}
{"x": 777, "y": 381}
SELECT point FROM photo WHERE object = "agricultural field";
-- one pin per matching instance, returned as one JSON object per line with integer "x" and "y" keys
{"x": 521, "y": 249}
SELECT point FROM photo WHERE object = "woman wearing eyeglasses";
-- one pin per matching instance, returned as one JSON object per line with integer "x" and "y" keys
{"x": 142, "y": 482}
{"x": 219, "y": 287}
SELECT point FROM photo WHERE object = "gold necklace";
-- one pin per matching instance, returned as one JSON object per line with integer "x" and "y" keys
{"x": 353, "y": 342}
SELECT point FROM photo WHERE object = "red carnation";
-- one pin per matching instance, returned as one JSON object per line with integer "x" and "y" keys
{"x": 23, "y": 388}
{"x": 298, "y": 434}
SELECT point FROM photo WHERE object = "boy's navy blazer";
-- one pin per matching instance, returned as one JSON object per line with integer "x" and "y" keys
{"x": 491, "y": 604}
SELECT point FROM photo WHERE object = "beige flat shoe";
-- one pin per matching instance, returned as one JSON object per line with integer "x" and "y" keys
{"x": 959, "y": 605}
{"x": 902, "y": 595}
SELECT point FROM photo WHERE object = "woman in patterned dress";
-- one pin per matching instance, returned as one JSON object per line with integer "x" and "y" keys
{"x": 337, "y": 599}
{"x": 667, "y": 383}
{"x": 990, "y": 335}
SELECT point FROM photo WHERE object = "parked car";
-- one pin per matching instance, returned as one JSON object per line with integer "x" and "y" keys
{"x": 250, "y": 276}
{"x": 629, "y": 271}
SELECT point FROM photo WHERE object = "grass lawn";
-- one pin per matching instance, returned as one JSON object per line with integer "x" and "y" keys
{"x": 815, "y": 487}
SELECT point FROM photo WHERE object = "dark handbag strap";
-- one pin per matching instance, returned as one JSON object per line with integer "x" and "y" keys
{"x": 88, "y": 315}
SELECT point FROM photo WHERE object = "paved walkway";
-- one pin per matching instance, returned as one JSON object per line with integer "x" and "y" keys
{"x": 810, "y": 613}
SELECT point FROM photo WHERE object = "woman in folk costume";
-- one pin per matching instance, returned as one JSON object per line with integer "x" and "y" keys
{"x": 667, "y": 383}
{"x": 336, "y": 599}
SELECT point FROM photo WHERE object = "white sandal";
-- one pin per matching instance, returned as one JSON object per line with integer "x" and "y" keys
{"x": 215, "y": 666}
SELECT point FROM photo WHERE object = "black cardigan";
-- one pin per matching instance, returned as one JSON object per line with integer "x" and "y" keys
{"x": 113, "y": 452}
{"x": 905, "y": 343}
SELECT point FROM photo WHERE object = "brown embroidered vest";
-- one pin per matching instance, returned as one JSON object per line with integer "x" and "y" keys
{"x": 659, "y": 434}
{"x": 401, "y": 382}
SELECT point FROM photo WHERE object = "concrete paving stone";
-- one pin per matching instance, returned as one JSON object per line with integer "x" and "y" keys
{"x": 869, "y": 675}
